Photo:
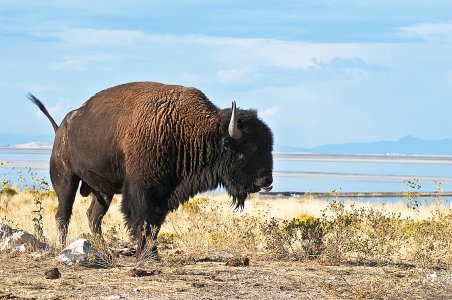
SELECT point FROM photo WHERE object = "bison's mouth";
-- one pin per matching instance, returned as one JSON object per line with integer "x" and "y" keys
{"x": 263, "y": 184}
{"x": 266, "y": 188}
{"x": 256, "y": 189}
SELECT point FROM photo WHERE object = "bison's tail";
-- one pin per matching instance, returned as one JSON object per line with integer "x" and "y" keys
{"x": 43, "y": 109}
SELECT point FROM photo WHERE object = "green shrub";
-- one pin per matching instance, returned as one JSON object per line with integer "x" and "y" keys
{"x": 7, "y": 191}
{"x": 166, "y": 237}
{"x": 299, "y": 238}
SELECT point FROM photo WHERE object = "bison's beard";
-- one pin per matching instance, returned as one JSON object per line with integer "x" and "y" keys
{"x": 238, "y": 193}
{"x": 239, "y": 200}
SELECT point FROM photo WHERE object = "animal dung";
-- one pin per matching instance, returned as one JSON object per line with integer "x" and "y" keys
{"x": 141, "y": 273}
{"x": 238, "y": 262}
{"x": 53, "y": 273}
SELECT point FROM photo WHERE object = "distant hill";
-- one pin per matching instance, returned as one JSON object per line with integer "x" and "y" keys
{"x": 32, "y": 145}
{"x": 408, "y": 145}
{"x": 7, "y": 140}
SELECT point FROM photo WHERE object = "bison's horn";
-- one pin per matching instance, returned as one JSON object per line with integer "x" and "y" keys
{"x": 233, "y": 130}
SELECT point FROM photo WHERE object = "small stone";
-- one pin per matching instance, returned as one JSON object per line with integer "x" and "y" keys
{"x": 52, "y": 273}
{"x": 198, "y": 284}
{"x": 432, "y": 277}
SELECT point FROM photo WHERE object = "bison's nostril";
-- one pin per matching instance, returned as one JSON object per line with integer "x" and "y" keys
{"x": 264, "y": 181}
{"x": 268, "y": 180}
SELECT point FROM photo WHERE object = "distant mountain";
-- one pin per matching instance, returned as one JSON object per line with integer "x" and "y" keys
{"x": 32, "y": 145}
{"x": 408, "y": 145}
{"x": 7, "y": 140}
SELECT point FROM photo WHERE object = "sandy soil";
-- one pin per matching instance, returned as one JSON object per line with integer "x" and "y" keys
{"x": 22, "y": 277}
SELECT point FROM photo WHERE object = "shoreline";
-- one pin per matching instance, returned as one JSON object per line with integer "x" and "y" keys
{"x": 356, "y": 194}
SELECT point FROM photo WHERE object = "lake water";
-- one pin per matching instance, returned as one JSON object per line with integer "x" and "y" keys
{"x": 299, "y": 172}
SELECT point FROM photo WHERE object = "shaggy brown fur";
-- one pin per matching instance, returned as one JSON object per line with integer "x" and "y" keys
{"x": 158, "y": 145}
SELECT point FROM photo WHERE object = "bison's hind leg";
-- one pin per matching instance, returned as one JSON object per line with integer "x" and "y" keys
{"x": 65, "y": 186}
{"x": 97, "y": 210}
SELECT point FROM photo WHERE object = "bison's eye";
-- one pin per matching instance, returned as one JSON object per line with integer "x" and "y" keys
{"x": 250, "y": 149}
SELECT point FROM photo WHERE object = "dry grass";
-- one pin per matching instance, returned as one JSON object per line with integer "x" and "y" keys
{"x": 292, "y": 228}
{"x": 18, "y": 211}
{"x": 350, "y": 251}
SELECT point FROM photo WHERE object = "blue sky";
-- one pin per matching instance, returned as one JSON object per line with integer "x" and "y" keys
{"x": 318, "y": 72}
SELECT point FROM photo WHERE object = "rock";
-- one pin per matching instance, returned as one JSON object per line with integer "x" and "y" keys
{"x": 238, "y": 262}
{"x": 432, "y": 277}
{"x": 80, "y": 252}
{"x": 198, "y": 284}
{"x": 53, "y": 273}
{"x": 18, "y": 240}
{"x": 5, "y": 231}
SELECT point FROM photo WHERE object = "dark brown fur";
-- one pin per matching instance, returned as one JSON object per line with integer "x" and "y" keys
{"x": 158, "y": 145}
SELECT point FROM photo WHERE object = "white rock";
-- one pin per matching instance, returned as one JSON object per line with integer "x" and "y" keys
{"x": 76, "y": 252}
{"x": 80, "y": 246}
{"x": 18, "y": 240}
{"x": 80, "y": 252}
{"x": 21, "y": 248}
{"x": 5, "y": 231}
{"x": 432, "y": 277}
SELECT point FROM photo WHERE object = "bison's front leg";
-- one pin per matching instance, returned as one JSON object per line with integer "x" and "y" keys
{"x": 149, "y": 233}
{"x": 142, "y": 218}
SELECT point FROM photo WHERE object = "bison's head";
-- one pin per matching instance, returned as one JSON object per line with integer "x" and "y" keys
{"x": 247, "y": 162}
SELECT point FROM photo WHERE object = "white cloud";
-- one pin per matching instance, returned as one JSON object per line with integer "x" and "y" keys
{"x": 428, "y": 31}
{"x": 245, "y": 52}
{"x": 71, "y": 64}
{"x": 100, "y": 37}
{"x": 228, "y": 76}
{"x": 32, "y": 145}
{"x": 81, "y": 62}
{"x": 269, "y": 112}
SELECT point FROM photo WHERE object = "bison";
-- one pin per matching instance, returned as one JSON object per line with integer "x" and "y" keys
{"x": 157, "y": 145}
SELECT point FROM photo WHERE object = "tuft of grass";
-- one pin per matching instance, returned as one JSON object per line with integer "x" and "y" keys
{"x": 148, "y": 255}
{"x": 102, "y": 256}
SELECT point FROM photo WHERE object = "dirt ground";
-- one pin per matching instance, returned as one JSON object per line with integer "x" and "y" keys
{"x": 22, "y": 277}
